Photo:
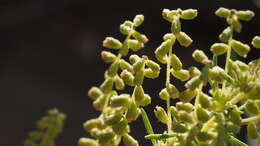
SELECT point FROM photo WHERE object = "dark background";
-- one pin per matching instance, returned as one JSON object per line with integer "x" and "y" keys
{"x": 50, "y": 56}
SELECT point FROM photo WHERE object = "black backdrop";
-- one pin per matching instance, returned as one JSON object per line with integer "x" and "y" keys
{"x": 49, "y": 56}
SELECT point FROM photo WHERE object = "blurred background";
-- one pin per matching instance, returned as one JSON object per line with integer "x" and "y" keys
{"x": 50, "y": 56}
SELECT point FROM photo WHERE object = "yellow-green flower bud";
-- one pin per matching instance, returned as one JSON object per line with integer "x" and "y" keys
{"x": 107, "y": 85}
{"x": 174, "y": 113}
{"x": 127, "y": 77}
{"x": 187, "y": 95}
{"x": 202, "y": 114}
{"x": 242, "y": 66}
{"x": 184, "y": 39}
{"x": 179, "y": 127}
{"x": 105, "y": 137}
{"x": 113, "y": 69}
{"x": 235, "y": 23}
{"x": 205, "y": 136}
{"x": 87, "y": 142}
{"x": 252, "y": 132}
{"x": 194, "y": 71}
{"x": 235, "y": 116}
{"x": 150, "y": 73}
{"x": 139, "y": 65}
{"x": 94, "y": 132}
{"x": 226, "y": 34}
{"x": 166, "y": 13}
{"x": 173, "y": 91}
{"x": 245, "y": 15}
{"x": 153, "y": 65}
{"x": 139, "y": 77}
{"x": 256, "y": 42}
{"x": 223, "y": 12}
{"x": 134, "y": 58}
{"x": 119, "y": 83}
{"x": 188, "y": 107}
{"x": 138, "y": 20}
{"x": 94, "y": 93}
{"x": 169, "y": 36}
{"x": 112, "y": 43}
{"x": 189, "y": 14}
{"x": 182, "y": 74}
{"x": 215, "y": 72}
{"x": 125, "y": 65}
{"x": 161, "y": 115}
{"x": 146, "y": 101}
{"x": 126, "y": 27}
{"x": 200, "y": 57}
{"x": 132, "y": 112}
{"x": 124, "y": 50}
{"x": 185, "y": 117}
{"x": 140, "y": 37}
{"x": 99, "y": 103}
{"x": 204, "y": 100}
{"x": 164, "y": 95}
{"x": 240, "y": 48}
{"x": 252, "y": 108}
{"x": 161, "y": 58}
{"x": 176, "y": 26}
{"x": 121, "y": 127}
{"x": 90, "y": 124}
{"x": 135, "y": 45}
{"x": 120, "y": 100}
{"x": 164, "y": 48}
{"x": 108, "y": 57}
{"x": 129, "y": 140}
{"x": 193, "y": 131}
{"x": 175, "y": 62}
{"x": 113, "y": 118}
{"x": 219, "y": 48}
{"x": 231, "y": 127}
{"x": 193, "y": 83}
{"x": 139, "y": 93}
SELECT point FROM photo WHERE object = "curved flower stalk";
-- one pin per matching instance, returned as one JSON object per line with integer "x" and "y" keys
{"x": 49, "y": 127}
{"x": 118, "y": 110}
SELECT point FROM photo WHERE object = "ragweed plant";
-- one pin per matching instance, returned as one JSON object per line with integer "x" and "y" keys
{"x": 48, "y": 128}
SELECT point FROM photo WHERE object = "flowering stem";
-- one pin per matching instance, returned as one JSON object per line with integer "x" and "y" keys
{"x": 245, "y": 121}
{"x": 168, "y": 73}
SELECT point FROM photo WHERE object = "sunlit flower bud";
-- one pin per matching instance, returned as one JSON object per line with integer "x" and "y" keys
{"x": 161, "y": 58}
{"x": 252, "y": 132}
{"x": 108, "y": 57}
{"x": 135, "y": 45}
{"x": 184, "y": 116}
{"x": 184, "y": 39}
{"x": 215, "y": 72}
{"x": 150, "y": 73}
{"x": 139, "y": 65}
{"x": 176, "y": 26}
{"x": 188, "y": 107}
{"x": 204, "y": 100}
{"x": 138, "y": 20}
{"x": 174, "y": 113}
{"x": 127, "y": 77}
{"x": 242, "y": 66}
{"x": 179, "y": 127}
{"x": 112, "y": 43}
{"x": 164, "y": 48}
{"x": 205, "y": 136}
{"x": 226, "y": 34}
{"x": 173, "y": 91}
{"x": 256, "y": 42}
{"x": 169, "y": 36}
{"x": 139, "y": 77}
{"x": 222, "y": 12}
{"x": 175, "y": 62}
{"x": 120, "y": 100}
{"x": 113, "y": 118}
{"x": 235, "y": 23}
{"x": 132, "y": 112}
{"x": 187, "y": 95}
{"x": 105, "y": 137}
{"x": 240, "y": 48}
{"x": 140, "y": 37}
{"x": 200, "y": 57}
{"x": 125, "y": 65}
{"x": 87, "y": 142}
{"x": 90, "y": 124}
{"x": 252, "y": 108}
{"x": 166, "y": 15}
{"x": 146, "y": 101}
{"x": 94, "y": 132}
{"x": 189, "y": 14}
{"x": 113, "y": 69}
{"x": 164, "y": 95}
{"x": 134, "y": 58}
{"x": 107, "y": 85}
{"x": 161, "y": 115}
{"x": 153, "y": 65}
{"x": 245, "y": 15}
{"x": 219, "y": 48}
{"x": 182, "y": 74}
{"x": 129, "y": 140}
{"x": 99, "y": 103}
{"x": 202, "y": 114}
{"x": 121, "y": 127}
{"x": 194, "y": 71}
{"x": 231, "y": 127}
{"x": 94, "y": 93}
{"x": 139, "y": 93}
{"x": 193, "y": 83}
{"x": 125, "y": 29}
{"x": 119, "y": 83}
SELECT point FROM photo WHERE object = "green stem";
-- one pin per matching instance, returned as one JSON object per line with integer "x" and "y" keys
{"x": 168, "y": 73}
{"x": 245, "y": 121}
